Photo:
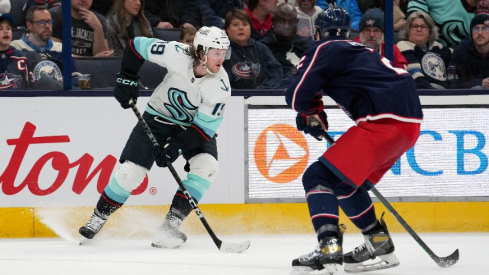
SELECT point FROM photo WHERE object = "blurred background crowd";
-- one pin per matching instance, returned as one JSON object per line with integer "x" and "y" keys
{"x": 442, "y": 44}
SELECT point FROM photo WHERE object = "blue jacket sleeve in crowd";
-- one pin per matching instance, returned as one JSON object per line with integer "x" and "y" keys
{"x": 208, "y": 15}
{"x": 274, "y": 71}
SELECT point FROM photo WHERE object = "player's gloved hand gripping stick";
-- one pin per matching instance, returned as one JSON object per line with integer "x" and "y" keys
{"x": 222, "y": 246}
{"x": 441, "y": 261}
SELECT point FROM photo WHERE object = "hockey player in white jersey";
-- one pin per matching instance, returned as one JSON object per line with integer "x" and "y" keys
{"x": 184, "y": 113}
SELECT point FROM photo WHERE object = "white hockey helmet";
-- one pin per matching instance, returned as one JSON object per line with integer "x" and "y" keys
{"x": 212, "y": 37}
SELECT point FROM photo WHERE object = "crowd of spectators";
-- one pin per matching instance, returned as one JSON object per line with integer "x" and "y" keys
{"x": 442, "y": 44}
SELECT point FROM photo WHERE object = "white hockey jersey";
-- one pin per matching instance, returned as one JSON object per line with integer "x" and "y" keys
{"x": 183, "y": 98}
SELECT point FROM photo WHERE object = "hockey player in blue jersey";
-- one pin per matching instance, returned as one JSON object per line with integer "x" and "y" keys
{"x": 384, "y": 104}
{"x": 184, "y": 113}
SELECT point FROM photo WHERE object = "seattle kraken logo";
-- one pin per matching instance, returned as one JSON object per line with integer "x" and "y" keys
{"x": 179, "y": 104}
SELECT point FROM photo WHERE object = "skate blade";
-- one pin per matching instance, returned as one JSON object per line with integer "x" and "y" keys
{"x": 171, "y": 243}
{"x": 385, "y": 262}
{"x": 234, "y": 247}
{"x": 329, "y": 269}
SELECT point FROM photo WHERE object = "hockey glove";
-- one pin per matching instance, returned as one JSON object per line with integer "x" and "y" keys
{"x": 126, "y": 88}
{"x": 168, "y": 153}
{"x": 315, "y": 121}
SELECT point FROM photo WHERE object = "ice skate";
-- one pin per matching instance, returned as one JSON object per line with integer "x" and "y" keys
{"x": 376, "y": 253}
{"x": 93, "y": 226}
{"x": 327, "y": 258}
{"x": 168, "y": 235}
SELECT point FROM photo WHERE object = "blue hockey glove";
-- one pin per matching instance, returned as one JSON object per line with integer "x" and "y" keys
{"x": 167, "y": 153}
{"x": 315, "y": 121}
{"x": 126, "y": 88}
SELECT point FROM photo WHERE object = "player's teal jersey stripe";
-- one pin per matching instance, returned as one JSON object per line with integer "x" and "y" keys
{"x": 208, "y": 124}
{"x": 141, "y": 45}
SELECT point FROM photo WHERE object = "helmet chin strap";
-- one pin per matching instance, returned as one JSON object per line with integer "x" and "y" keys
{"x": 204, "y": 64}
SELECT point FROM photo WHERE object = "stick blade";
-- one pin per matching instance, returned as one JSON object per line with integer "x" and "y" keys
{"x": 449, "y": 260}
{"x": 83, "y": 240}
{"x": 234, "y": 247}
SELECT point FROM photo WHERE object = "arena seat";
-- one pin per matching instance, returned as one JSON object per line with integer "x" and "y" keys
{"x": 167, "y": 34}
{"x": 18, "y": 33}
{"x": 103, "y": 72}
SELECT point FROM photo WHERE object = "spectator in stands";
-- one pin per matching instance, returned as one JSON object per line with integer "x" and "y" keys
{"x": 88, "y": 30}
{"x": 44, "y": 57}
{"x": 427, "y": 59}
{"x": 451, "y": 17}
{"x": 471, "y": 57}
{"x": 29, "y": 3}
{"x": 252, "y": 65}
{"x": 285, "y": 44}
{"x": 213, "y": 12}
{"x": 14, "y": 74}
{"x": 261, "y": 13}
{"x": 125, "y": 21}
{"x": 172, "y": 13}
{"x": 307, "y": 13}
{"x": 5, "y": 6}
{"x": 187, "y": 35}
{"x": 372, "y": 35}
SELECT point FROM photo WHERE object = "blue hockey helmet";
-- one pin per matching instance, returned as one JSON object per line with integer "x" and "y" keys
{"x": 333, "y": 21}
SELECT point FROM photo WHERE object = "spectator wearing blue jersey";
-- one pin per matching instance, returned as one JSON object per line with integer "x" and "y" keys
{"x": 384, "y": 104}
{"x": 14, "y": 74}
{"x": 44, "y": 56}
{"x": 428, "y": 60}
{"x": 252, "y": 65}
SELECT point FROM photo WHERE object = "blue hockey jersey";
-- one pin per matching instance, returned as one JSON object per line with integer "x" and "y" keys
{"x": 362, "y": 82}
{"x": 14, "y": 74}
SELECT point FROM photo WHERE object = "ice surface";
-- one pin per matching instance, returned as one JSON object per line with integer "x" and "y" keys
{"x": 267, "y": 255}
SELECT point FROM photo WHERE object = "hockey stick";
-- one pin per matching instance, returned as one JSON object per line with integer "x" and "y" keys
{"x": 441, "y": 261}
{"x": 222, "y": 246}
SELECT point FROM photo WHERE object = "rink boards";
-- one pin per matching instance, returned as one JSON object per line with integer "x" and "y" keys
{"x": 57, "y": 154}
